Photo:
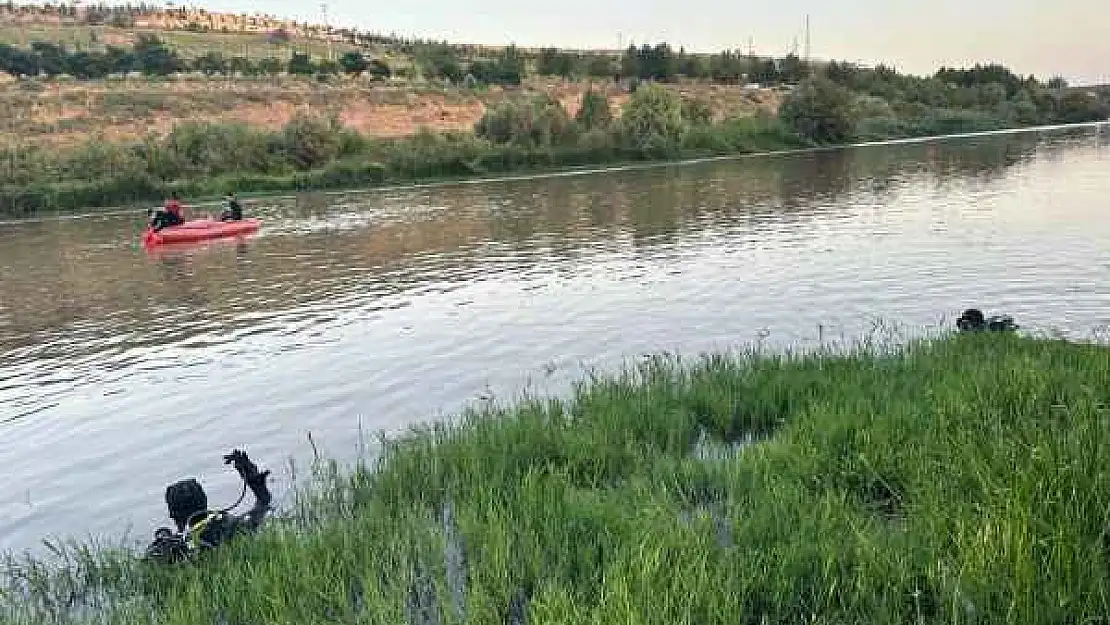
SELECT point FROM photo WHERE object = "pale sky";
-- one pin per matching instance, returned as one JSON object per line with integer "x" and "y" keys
{"x": 1045, "y": 37}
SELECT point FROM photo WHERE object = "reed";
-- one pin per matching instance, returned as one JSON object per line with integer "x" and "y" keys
{"x": 951, "y": 480}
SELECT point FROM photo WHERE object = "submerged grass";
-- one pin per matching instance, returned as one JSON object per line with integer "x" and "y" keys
{"x": 958, "y": 480}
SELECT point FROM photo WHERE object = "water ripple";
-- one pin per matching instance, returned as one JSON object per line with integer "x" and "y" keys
{"x": 383, "y": 309}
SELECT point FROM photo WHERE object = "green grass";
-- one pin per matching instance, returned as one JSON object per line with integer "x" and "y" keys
{"x": 201, "y": 161}
{"x": 957, "y": 480}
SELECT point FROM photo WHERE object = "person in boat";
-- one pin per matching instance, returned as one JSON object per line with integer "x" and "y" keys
{"x": 233, "y": 211}
{"x": 169, "y": 215}
{"x": 973, "y": 320}
{"x": 199, "y": 528}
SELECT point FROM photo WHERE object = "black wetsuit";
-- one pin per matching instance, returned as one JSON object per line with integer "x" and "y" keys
{"x": 233, "y": 212}
{"x": 165, "y": 219}
{"x": 205, "y": 529}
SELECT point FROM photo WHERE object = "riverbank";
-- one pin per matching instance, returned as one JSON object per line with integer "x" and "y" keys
{"x": 530, "y": 132}
{"x": 426, "y": 158}
{"x": 956, "y": 480}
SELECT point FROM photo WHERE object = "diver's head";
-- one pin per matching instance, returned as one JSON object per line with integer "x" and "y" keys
{"x": 972, "y": 319}
{"x": 185, "y": 499}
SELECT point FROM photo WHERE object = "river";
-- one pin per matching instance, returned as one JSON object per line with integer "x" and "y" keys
{"x": 348, "y": 314}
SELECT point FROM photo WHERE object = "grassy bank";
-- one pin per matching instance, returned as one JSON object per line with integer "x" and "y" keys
{"x": 962, "y": 480}
{"x": 205, "y": 160}
{"x": 112, "y": 175}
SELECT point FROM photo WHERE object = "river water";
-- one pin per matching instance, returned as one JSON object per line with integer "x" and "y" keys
{"x": 122, "y": 370}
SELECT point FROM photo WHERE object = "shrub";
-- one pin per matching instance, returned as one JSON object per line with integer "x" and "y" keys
{"x": 697, "y": 111}
{"x": 652, "y": 121}
{"x": 819, "y": 110}
{"x": 594, "y": 111}
{"x": 311, "y": 141}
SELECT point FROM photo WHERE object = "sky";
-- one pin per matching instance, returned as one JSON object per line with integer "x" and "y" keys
{"x": 1070, "y": 38}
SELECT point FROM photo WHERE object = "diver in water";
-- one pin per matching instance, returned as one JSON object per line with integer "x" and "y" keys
{"x": 233, "y": 211}
{"x": 169, "y": 215}
{"x": 973, "y": 321}
{"x": 198, "y": 527}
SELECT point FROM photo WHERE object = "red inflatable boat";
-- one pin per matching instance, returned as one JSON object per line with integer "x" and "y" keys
{"x": 200, "y": 230}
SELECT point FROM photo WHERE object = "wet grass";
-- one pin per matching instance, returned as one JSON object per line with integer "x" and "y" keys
{"x": 957, "y": 480}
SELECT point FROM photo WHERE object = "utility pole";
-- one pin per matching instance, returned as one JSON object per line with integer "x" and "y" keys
{"x": 327, "y": 29}
{"x": 807, "y": 39}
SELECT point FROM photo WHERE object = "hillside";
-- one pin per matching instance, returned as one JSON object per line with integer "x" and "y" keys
{"x": 240, "y": 72}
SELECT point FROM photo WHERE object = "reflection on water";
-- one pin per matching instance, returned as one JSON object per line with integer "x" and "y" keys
{"x": 121, "y": 370}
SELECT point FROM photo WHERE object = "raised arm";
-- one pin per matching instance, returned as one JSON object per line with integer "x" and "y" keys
{"x": 256, "y": 481}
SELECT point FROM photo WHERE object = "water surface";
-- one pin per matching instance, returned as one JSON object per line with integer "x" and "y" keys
{"x": 121, "y": 370}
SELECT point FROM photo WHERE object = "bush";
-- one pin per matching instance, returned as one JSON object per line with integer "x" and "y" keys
{"x": 503, "y": 122}
{"x": 819, "y": 110}
{"x": 311, "y": 141}
{"x": 543, "y": 122}
{"x": 697, "y": 111}
{"x": 551, "y": 125}
{"x": 594, "y": 111}
{"x": 652, "y": 121}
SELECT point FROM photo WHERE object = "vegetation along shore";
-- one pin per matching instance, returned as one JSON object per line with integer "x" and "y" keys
{"x": 958, "y": 479}
{"x": 118, "y": 105}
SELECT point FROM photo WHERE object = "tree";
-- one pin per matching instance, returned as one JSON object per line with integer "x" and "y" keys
{"x": 594, "y": 111}
{"x": 652, "y": 121}
{"x": 697, "y": 111}
{"x": 120, "y": 61}
{"x": 18, "y": 62}
{"x": 550, "y": 124}
{"x": 820, "y": 110}
{"x": 792, "y": 69}
{"x": 85, "y": 65}
{"x": 353, "y": 63}
{"x": 310, "y": 141}
{"x": 378, "y": 69}
{"x": 766, "y": 72}
{"x": 242, "y": 65}
{"x": 552, "y": 62}
{"x": 1077, "y": 107}
{"x": 439, "y": 61}
{"x": 657, "y": 62}
{"x": 511, "y": 66}
{"x": 300, "y": 64}
{"x": 52, "y": 58}
{"x": 541, "y": 122}
{"x": 153, "y": 58}
{"x": 269, "y": 66}
{"x": 728, "y": 67}
{"x": 1058, "y": 83}
{"x": 327, "y": 67}
{"x": 211, "y": 63}
{"x": 692, "y": 65}
{"x": 600, "y": 66}
{"x": 506, "y": 69}
{"x": 502, "y": 123}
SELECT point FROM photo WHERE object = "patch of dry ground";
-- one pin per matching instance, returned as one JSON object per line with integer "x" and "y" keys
{"x": 68, "y": 113}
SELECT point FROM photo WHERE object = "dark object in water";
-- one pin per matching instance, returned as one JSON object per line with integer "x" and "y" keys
{"x": 197, "y": 526}
{"x": 973, "y": 321}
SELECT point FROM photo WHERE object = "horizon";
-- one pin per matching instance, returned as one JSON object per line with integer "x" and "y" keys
{"x": 1077, "y": 51}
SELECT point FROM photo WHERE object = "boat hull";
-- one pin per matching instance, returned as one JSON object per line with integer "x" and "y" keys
{"x": 200, "y": 230}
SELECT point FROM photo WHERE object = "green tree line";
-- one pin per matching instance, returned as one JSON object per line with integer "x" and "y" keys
{"x": 150, "y": 56}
